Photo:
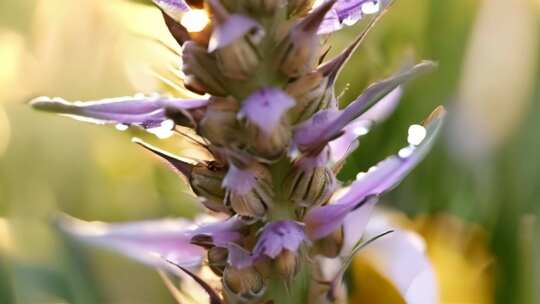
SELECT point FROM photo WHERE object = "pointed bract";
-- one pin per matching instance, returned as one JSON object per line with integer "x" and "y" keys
{"x": 320, "y": 129}
{"x": 378, "y": 180}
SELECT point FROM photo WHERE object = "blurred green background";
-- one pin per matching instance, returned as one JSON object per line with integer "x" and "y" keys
{"x": 485, "y": 169}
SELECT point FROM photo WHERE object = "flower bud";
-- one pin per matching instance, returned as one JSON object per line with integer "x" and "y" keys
{"x": 298, "y": 53}
{"x": 234, "y": 41}
{"x": 266, "y": 6}
{"x": 299, "y": 7}
{"x": 245, "y": 284}
{"x": 287, "y": 264}
{"x": 269, "y": 146}
{"x": 252, "y": 204}
{"x": 252, "y": 201}
{"x": 331, "y": 245}
{"x": 239, "y": 59}
{"x": 201, "y": 70}
{"x": 219, "y": 124}
{"x": 217, "y": 259}
{"x": 309, "y": 187}
{"x": 311, "y": 93}
{"x": 206, "y": 181}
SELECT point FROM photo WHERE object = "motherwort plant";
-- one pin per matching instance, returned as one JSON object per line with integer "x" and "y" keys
{"x": 282, "y": 228}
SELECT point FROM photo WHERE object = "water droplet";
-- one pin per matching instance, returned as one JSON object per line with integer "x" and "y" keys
{"x": 360, "y": 175}
{"x": 121, "y": 127}
{"x": 165, "y": 130}
{"x": 417, "y": 133}
{"x": 361, "y": 130}
{"x": 406, "y": 152}
{"x": 371, "y": 7}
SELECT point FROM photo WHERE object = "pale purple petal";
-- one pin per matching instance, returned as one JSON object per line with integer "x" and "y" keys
{"x": 347, "y": 13}
{"x": 143, "y": 111}
{"x": 278, "y": 236}
{"x": 380, "y": 111}
{"x": 378, "y": 180}
{"x": 316, "y": 131}
{"x": 222, "y": 233}
{"x": 233, "y": 28}
{"x": 341, "y": 147}
{"x": 307, "y": 134}
{"x": 355, "y": 224}
{"x": 147, "y": 242}
{"x": 401, "y": 258}
{"x": 322, "y": 221}
{"x": 239, "y": 257}
{"x": 173, "y": 8}
{"x": 266, "y": 107}
{"x": 239, "y": 181}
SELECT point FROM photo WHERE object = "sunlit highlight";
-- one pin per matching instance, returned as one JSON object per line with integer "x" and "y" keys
{"x": 195, "y": 20}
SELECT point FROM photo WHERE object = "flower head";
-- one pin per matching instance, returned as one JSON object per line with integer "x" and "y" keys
{"x": 268, "y": 115}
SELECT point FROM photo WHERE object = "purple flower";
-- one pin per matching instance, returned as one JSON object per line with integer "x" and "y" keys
{"x": 147, "y": 112}
{"x": 269, "y": 119}
{"x": 265, "y": 108}
{"x": 348, "y": 12}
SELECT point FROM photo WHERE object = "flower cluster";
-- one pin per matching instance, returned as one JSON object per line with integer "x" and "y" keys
{"x": 268, "y": 114}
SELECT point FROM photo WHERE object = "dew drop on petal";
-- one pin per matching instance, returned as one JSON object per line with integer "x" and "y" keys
{"x": 195, "y": 20}
{"x": 372, "y": 169}
{"x": 360, "y": 175}
{"x": 165, "y": 130}
{"x": 406, "y": 152}
{"x": 417, "y": 133}
{"x": 360, "y": 131}
{"x": 121, "y": 127}
{"x": 371, "y": 7}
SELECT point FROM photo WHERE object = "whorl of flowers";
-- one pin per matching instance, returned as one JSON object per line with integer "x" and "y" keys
{"x": 268, "y": 114}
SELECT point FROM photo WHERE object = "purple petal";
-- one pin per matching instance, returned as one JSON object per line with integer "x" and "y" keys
{"x": 173, "y": 8}
{"x": 146, "y": 112}
{"x": 221, "y": 233}
{"x": 378, "y": 180}
{"x": 147, "y": 242}
{"x": 401, "y": 257}
{"x": 239, "y": 257}
{"x": 322, "y": 221}
{"x": 315, "y": 132}
{"x": 341, "y": 147}
{"x": 347, "y": 13}
{"x": 278, "y": 236}
{"x": 266, "y": 107}
{"x": 380, "y": 111}
{"x": 239, "y": 181}
{"x": 354, "y": 225}
{"x": 230, "y": 28}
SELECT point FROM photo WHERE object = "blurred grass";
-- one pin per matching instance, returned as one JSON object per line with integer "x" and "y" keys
{"x": 89, "y": 50}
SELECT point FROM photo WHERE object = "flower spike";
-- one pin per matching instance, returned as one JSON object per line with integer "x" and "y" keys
{"x": 280, "y": 222}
